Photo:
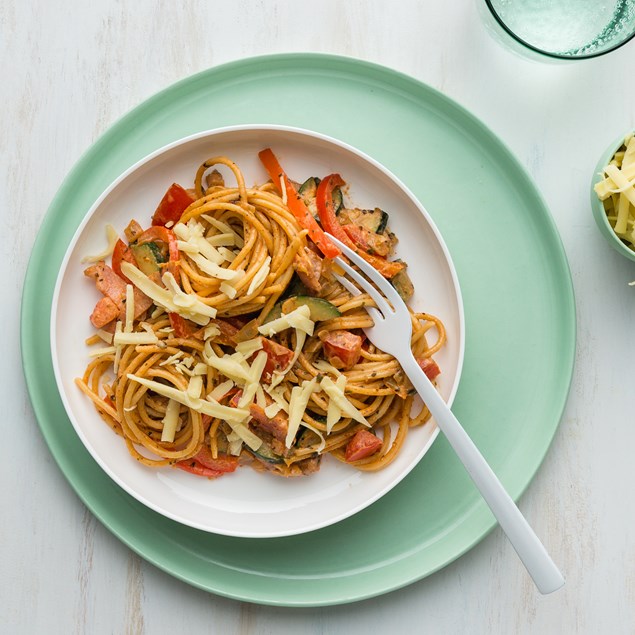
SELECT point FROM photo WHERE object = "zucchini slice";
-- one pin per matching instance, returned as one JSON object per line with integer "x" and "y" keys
{"x": 403, "y": 285}
{"x": 265, "y": 453}
{"x": 320, "y": 309}
{"x": 374, "y": 220}
{"x": 148, "y": 256}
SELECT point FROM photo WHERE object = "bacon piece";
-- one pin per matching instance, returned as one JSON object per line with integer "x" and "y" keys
{"x": 133, "y": 231}
{"x": 277, "y": 426}
{"x": 114, "y": 289}
{"x": 308, "y": 266}
{"x": 105, "y": 311}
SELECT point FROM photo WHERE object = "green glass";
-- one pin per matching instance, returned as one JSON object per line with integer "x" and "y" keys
{"x": 565, "y": 29}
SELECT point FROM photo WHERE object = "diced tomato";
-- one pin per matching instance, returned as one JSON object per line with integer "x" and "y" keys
{"x": 342, "y": 348}
{"x": 278, "y": 358}
{"x": 121, "y": 254}
{"x": 429, "y": 367}
{"x": 204, "y": 464}
{"x": 363, "y": 444}
{"x": 174, "y": 202}
{"x": 296, "y": 204}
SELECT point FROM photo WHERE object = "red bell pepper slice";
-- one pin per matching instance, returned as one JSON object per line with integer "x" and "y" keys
{"x": 174, "y": 202}
{"x": 121, "y": 254}
{"x": 329, "y": 221}
{"x": 204, "y": 464}
{"x": 297, "y": 205}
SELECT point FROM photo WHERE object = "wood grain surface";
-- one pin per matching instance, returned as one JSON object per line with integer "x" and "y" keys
{"x": 71, "y": 69}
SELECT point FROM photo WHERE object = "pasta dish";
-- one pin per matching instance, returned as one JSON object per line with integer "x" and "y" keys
{"x": 222, "y": 337}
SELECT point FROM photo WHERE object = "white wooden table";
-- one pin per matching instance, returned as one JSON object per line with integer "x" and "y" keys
{"x": 70, "y": 69}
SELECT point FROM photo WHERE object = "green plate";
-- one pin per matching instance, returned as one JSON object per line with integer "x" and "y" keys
{"x": 519, "y": 310}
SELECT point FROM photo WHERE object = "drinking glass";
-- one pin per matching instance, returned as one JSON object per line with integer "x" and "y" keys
{"x": 563, "y": 29}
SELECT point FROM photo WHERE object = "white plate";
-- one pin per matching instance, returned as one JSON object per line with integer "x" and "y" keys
{"x": 247, "y": 503}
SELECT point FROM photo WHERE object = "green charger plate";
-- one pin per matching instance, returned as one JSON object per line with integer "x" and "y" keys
{"x": 519, "y": 310}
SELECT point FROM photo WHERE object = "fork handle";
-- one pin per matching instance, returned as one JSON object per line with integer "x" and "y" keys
{"x": 531, "y": 551}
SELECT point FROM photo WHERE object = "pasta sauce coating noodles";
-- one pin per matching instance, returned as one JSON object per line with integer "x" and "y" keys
{"x": 223, "y": 338}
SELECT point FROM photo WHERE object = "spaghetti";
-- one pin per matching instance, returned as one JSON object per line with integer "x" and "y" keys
{"x": 228, "y": 340}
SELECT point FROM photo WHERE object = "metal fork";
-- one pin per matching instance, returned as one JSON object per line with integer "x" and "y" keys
{"x": 391, "y": 333}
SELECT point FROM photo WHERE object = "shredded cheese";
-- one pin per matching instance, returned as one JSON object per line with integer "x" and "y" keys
{"x": 170, "y": 421}
{"x": 173, "y": 298}
{"x": 112, "y": 237}
{"x": 221, "y": 390}
{"x": 105, "y": 336}
{"x": 336, "y": 394}
{"x": 228, "y": 290}
{"x": 211, "y": 331}
{"x": 193, "y": 241}
{"x": 334, "y": 411}
{"x": 300, "y": 396}
{"x": 228, "y": 254}
{"x": 106, "y": 350}
{"x": 118, "y": 331}
{"x": 234, "y": 366}
{"x": 273, "y": 409}
{"x": 214, "y": 270}
{"x": 251, "y": 386}
{"x": 123, "y": 338}
{"x": 172, "y": 359}
{"x": 204, "y": 406}
{"x": 195, "y": 387}
{"x": 129, "y": 308}
{"x": 277, "y": 394}
{"x": 299, "y": 318}
{"x": 260, "y": 277}
{"x": 249, "y": 347}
